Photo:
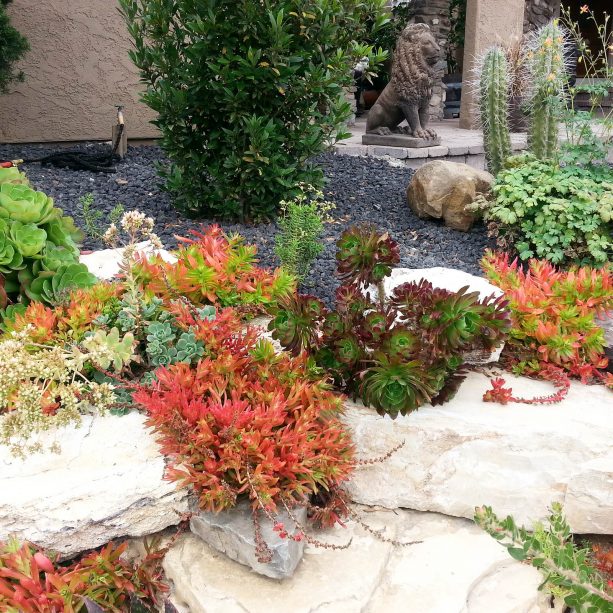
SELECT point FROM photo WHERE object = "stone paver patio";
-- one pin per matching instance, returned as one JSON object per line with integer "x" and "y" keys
{"x": 457, "y": 145}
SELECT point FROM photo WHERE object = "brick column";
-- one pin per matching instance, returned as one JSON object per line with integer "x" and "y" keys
{"x": 487, "y": 22}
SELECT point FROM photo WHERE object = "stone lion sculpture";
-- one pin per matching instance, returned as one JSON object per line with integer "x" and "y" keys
{"x": 407, "y": 95}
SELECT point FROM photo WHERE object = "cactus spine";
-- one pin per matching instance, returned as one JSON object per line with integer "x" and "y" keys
{"x": 548, "y": 72}
{"x": 494, "y": 108}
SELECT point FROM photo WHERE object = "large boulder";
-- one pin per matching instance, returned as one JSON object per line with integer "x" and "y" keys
{"x": 370, "y": 575}
{"x": 106, "y": 482}
{"x": 515, "y": 458}
{"x": 442, "y": 190}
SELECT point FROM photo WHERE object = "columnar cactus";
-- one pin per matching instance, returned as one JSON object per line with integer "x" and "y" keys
{"x": 494, "y": 108}
{"x": 546, "y": 62}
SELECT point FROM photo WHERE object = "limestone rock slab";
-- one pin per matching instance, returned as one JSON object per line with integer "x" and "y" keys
{"x": 516, "y": 458}
{"x": 445, "y": 278}
{"x": 452, "y": 280}
{"x": 441, "y": 190}
{"x": 106, "y": 262}
{"x": 232, "y": 532}
{"x": 105, "y": 483}
{"x": 451, "y": 566}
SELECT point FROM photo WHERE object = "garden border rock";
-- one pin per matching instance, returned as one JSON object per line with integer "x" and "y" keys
{"x": 106, "y": 483}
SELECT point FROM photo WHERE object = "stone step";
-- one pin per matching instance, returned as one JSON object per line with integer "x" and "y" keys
{"x": 451, "y": 567}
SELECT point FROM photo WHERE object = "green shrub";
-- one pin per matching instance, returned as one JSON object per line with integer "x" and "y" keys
{"x": 560, "y": 213}
{"x": 13, "y": 46}
{"x": 246, "y": 92}
{"x": 300, "y": 228}
{"x": 568, "y": 570}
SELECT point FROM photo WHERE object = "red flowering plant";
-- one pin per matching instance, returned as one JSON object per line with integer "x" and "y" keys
{"x": 214, "y": 268}
{"x": 33, "y": 582}
{"x": 246, "y": 422}
{"x": 395, "y": 353}
{"x": 554, "y": 333}
{"x": 69, "y": 321}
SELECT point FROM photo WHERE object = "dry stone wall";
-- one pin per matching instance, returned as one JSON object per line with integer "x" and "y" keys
{"x": 539, "y": 12}
{"x": 435, "y": 13}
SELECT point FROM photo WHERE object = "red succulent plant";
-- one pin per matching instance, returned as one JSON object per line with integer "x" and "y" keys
{"x": 553, "y": 314}
{"x": 246, "y": 422}
{"x": 213, "y": 268}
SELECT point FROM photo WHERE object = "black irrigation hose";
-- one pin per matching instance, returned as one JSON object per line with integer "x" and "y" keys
{"x": 77, "y": 160}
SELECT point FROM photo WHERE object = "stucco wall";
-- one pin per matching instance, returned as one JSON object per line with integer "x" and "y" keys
{"x": 76, "y": 72}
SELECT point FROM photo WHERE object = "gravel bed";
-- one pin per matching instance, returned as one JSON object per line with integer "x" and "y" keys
{"x": 364, "y": 190}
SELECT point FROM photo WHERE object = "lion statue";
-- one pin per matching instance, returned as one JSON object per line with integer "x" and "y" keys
{"x": 407, "y": 95}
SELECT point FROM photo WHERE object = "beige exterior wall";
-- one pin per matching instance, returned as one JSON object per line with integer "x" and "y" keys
{"x": 76, "y": 72}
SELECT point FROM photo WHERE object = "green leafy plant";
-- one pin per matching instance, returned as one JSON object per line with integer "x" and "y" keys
{"x": 592, "y": 92}
{"x": 13, "y": 46}
{"x": 93, "y": 218}
{"x": 395, "y": 354}
{"x": 456, "y": 35}
{"x": 566, "y": 568}
{"x": 494, "y": 91}
{"x": 301, "y": 225}
{"x": 560, "y": 213}
{"x": 246, "y": 93}
{"x": 33, "y": 582}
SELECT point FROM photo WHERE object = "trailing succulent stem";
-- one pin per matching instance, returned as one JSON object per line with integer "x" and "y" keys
{"x": 547, "y": 67}
{"x": 494, "y": 108}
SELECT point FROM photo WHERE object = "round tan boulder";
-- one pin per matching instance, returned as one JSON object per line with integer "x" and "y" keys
{"x": 442, "y": 190}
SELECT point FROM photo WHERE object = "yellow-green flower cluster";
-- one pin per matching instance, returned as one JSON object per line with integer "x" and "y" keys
{"x": 41, "y": 388}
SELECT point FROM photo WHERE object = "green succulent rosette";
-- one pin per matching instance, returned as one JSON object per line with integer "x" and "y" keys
{"x": 52, "y": 286}
{"x": 27, "y": 238}
{"x": 53, "y": 257}
{"x": 10, "y": 258}
{"x": 24, "y": 204}
{"x": 62, "y": 232}
{"x": 13, "y": 176}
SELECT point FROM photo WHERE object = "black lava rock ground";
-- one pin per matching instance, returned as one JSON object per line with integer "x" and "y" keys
{"x": 363, "y": 189}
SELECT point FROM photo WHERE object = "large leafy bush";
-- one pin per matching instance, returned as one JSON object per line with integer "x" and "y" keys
{"x": 560, "y": 213}
{"x": 395, "y": 354}
{"x": 13, "y": 46}
{"x": 246, "y": 92}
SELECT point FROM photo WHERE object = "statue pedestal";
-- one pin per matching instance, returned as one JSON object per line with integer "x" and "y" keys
{"x": 399, "y": 140}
